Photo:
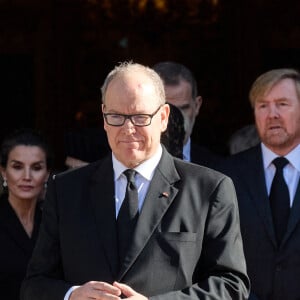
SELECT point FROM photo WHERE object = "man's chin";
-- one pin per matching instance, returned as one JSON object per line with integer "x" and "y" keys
{"x": 276, "y": 141}
{"x": 132, "y": 158}
{"x": 132, "y": 149}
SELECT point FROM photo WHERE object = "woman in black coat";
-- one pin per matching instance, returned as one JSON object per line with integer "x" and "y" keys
{"x": 25, "y": 167}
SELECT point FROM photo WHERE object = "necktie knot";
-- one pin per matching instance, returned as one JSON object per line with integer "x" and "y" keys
{"x": 130, "y": 173}
{"x": 280, "y": 162}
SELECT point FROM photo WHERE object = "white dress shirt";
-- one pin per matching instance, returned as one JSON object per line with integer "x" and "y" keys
{"x": 143, "y": 177}
{"x": 291, "y": 171}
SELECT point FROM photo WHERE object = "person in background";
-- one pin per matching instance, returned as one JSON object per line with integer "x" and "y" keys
{"x": 181, "y": 90}
{"x": 173, "y": 137}
{"x": 177, "y": 238}
{"x": 85, "y": 145}
{"x": 25, "y": 161}
{"x": 243, "y": 139}
{"x": 266, "y": 179}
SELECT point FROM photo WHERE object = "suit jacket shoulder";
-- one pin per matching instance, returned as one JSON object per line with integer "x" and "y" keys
{"x": 203, "y": 156}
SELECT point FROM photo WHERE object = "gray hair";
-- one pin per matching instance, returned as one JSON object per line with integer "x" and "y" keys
{"x": 130, "y": 67}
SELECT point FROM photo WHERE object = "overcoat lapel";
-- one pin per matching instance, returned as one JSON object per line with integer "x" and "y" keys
{"x": 257, "y": 188}
{"x": 160, "y": 195}
{"x": 294, "y": 215}
{"x": 103, "y": 205}
{"x": 14, "y": 228}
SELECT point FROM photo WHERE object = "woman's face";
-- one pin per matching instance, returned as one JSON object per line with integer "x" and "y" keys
{"x": 26, "y": 172}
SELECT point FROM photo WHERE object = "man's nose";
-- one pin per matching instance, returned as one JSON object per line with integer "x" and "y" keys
{"x": 273, "y": 111}
{"x": 128, "y": 126}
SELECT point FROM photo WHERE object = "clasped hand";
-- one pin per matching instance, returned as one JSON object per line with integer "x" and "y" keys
{"x": 104, "y": 291}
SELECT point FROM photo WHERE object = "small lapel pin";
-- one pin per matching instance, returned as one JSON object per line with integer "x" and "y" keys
{"x": 165, "y": 194}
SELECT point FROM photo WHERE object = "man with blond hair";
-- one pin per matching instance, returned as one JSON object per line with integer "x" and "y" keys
{"x": 266, "y": 178}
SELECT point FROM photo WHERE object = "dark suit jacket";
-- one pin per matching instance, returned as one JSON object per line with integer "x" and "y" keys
{"x": 187, "y": 241}
{"x": 16, "y": 249}
{"x": 203, "y": 156}
{"x": 274, "y": 270}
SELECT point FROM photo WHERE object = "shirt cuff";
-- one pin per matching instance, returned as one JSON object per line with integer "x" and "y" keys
{"x": 69, "y": 292}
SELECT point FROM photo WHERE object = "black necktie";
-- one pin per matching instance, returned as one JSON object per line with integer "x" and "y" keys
{"x": 280, "y": 199}
{"x": 128, "y": 214}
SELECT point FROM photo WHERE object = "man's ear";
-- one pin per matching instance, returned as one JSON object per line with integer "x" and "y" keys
{"x": 198, "y": 103}
{"x": 165, "y": 112}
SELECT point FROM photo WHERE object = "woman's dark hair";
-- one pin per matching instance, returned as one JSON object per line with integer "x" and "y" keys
{"x": 173, "y": 137}
{"x": 26, "y": 137}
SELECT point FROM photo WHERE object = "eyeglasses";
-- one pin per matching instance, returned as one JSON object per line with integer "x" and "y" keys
{"x": 136, "y": 119}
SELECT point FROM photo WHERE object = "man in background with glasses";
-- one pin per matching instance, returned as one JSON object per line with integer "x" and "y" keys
{"x": 183, "y": 238}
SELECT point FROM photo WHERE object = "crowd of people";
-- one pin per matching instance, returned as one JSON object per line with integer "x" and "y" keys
{"x": 154, "y": 215}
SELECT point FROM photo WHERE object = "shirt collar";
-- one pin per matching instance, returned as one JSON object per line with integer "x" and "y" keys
{"x": 187, "y": 150}
{"x": 145, "y": 169}
{"x": 293, "y": 156}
